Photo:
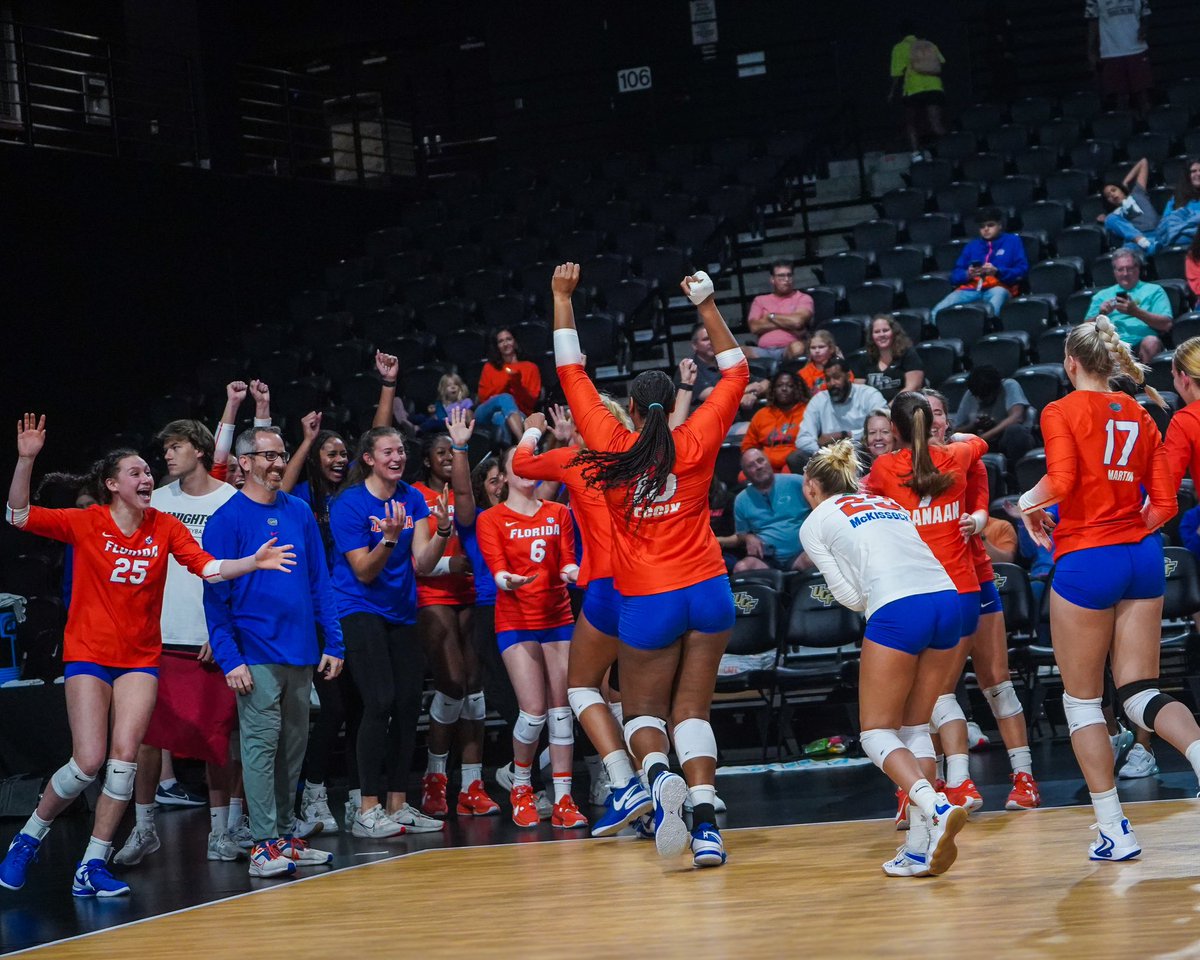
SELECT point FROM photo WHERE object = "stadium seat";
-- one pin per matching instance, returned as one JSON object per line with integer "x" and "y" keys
{"x": 966, "y": 322}
{"x": 1008, "y": 139}
{"x": 846, "y": 332}
{"x": 1050, "y": 345}
{"x": 1092, "y": 156}
{"x": 1044, "y": 216}
{"x": 1004, "y": 351}
{"x": 1185, "y": 327}
{"x": 927, "y": 290}
{"x": 1058, "y": 277}
{"x": 874, "y": 296}
{"x": 1069, "y": 186}
{"x": 940, "y": 358}
{"x": 1031, "y": 314}
{"x": 945, "y": 255}
{"x": 959, "y": 199}
{"x": 901, "y": 204}
{"x": 1168, "y": 263}
{"x": 902, "y": 263}
{"x": 873, "y": 235}
{"x": 983, "y": 167}
{"x": 956, "y": 146}
{"x": 1115, "y": 126}
{"x": 1031, "y": 468}
{"x": 1031, "y": 110}
{"x": 1085, "y": 242}
{"x": 931, "y": 175}
{"x": 845, "y": 269}
{"x": 1059, "y": 135}
{"x": 1082, "y": 105}
{"x": 1076, "y": 306}
{"x": 1042, "y": 383}
{"x": 825, "y": 302}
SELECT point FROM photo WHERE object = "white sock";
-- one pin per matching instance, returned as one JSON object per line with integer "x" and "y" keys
{"x": 641, "y": 775}
{"x": 958, "y": 769}
{"x": 437, "y": 762}
{"x": 167, "y": 784}
{"x": 562, "y": 786}
{"x": 940, "y": 762}
{"x": 235, "y": 812}
{"x": 705, "y": 793}
{"x": 355, "y": 797}
{"x": 522, "y": 774}
{"x": 620, "y": 770}
{"x": 918, "y": 830}
{"x": 544, "y": 761}
{"x": 143, "y": 814}
{"x": 924, "y": 797}
{"x": 1193, "y": 756}
{"x": 1108, "y": 808}
{"x": 470, "y": 773}
{"x": 1021, "y": 759}
{"x": 36, "y": 827}
{"x": 97, "y": 850}
{"x": 218, "y": 819}
{"x": 653, "y": 759}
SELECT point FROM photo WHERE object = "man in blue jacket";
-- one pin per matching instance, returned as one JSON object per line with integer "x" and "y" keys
{"x": 263, "y": 635}
{"x": 989, "y": 269}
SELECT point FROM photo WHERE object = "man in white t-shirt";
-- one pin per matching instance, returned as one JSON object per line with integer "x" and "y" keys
{"x": 1117, "y": 47}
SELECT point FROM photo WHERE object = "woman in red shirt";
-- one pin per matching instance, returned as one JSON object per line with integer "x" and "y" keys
{"x": 1107, "y": 593}
{"x": 112, "y": 642}
{"x": 509, "y": 387}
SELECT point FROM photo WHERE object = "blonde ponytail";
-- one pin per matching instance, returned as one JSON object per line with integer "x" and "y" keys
{"x": 835, "y": 468}
{"x": 1099, "y": 349}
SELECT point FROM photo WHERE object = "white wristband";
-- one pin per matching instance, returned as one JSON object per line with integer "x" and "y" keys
{"x": 262, "y": 421}
{"x": 16, "y": 517}
{"x": 727, "y": 359}
{"x": 566, "y": 571}
{"x": 566, "y": 347}
{"x": 531, "y": 434}
{"x": 702, "y": 289}
{"x": 212, "y": 571}
{"x": 1026, "y": 502}
{"x": 501, "y": 579}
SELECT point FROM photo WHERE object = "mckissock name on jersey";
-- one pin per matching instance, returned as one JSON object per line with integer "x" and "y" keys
{"x": 862, "y": 518}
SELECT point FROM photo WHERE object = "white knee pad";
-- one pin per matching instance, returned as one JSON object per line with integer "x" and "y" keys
{"x": 580, "y": 698}
{"x": 445, "y": 710}
{"x": 694, "y": 738}
{"x": 1142, "y": 700}
{"x": 528, "y": 728}
{"x": 918, "y": 741}
{"x": 635, "y": 724}
{"x": 618, "y": 713}
{"x": 877, "y": 744}
{"x": 69, "y": 781}
{"x": 1081, "y": 713}
{"x": 945, "y": 710}
{"x": 561, "y": 726}
{"x": 1003, "y": 700}
{"x": 118, "y": 779}
{"x": 476, "y": 707}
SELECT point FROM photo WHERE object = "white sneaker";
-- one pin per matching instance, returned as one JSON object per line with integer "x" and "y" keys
{"x": 1143, "y": 242}
{"x": 671, "y": 835}
{"x": 917, "y": 156}
{"x": 600, "y": 789}
{"x": 142, "y": 841}
{"x": 314, "y": 808}
{"x": 944, "y": 826}
{"x": 545, "y": 806}
{"x": 301, "y": 854}
{"x": 414, "y": 821}
{"x": 221, "y": 846}
{"x": 505, "y": 778}
{"x": 1139, "y": 763}
{"x": 907, "y": 863}
{"x": 1121, "y": 742}
{"x": 303, "y": 829}
{"x": 976, "y": 738}
{"x": 1114, "y": 843}
{"x": 375, "y": 825}
{"x": 718, "y": 805}
{"x": 240, "y": 834}
{"x": 351, "y": 810}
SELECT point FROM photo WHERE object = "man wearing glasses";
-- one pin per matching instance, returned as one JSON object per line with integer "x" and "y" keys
{"x": 264, "y": 638}
{"x": 781, "y": 318}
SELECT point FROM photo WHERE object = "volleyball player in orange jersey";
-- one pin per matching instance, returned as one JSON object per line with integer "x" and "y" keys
{"x": 930, "y": 481}
{"x": 1183, "y": 432}
{"x": 445, "y": 608}
{"x": 529, "y": 545}
{"x": 594, "y": 641}
{"x": 677, "y": 608}
{"x": 112, "y": 642}
{"x": 1102, "y": 451}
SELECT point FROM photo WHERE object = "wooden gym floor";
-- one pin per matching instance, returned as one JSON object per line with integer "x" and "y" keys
{"x": 1022, "y": 887}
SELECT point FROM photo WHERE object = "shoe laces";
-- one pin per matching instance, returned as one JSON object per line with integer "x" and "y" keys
{"x": 24, "y": 851}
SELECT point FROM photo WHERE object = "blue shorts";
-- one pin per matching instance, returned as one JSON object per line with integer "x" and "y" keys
{"x": 85, "y": 668}
{"x": 969, "y": 612}
{"x": 602, "y": 606}
{"x": 912, "y": 624}
{"x": 657, "y": 620}
{"x": 508, "y": 638}
{"x": 1100, "y": 577}
{"x": 989, "y": 598}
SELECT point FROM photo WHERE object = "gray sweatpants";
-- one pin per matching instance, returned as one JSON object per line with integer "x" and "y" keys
{"x": 273, "y": 720}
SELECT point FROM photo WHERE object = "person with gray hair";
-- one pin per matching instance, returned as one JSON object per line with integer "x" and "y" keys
{"x": 264, "y": 638}
{"x": 1139, "y": 311}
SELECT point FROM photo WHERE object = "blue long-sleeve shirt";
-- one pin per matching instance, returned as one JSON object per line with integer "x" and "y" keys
{"x": 1006, "y": 253}
{"x": 270, "y": 616}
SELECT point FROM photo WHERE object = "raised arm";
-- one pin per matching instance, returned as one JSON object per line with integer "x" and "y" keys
{"x": 262, "y": 403}
{"x": 31, "y": 437}
{"x": 461, "y": 427}
{"x": 1139, "y": 173}
{"x": 427, "y": 548}
{"x": 310, "y": 424}
{"x": 235, "y": 393}
{"x": 388, "y": 367}
{"x": 683, "y": 395}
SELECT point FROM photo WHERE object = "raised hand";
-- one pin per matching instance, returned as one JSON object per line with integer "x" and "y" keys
{"x": 261, "y": 395}
{"x": 565, "y": 280}
{"x": 235, "y": 391}
{"x": 310, "y": 424}
{"x": 536, "y": 421}
{"x": 31, "y": 435}
{"x": 386, "y": 365}
{"x": 392, "y": 521}
{"x": 562, "y": 424}
{"x": 441, "y": 509}
{"x": 687, "y": 370}
{"x": 460, "y": 426}
{"x": 271, "y": 557}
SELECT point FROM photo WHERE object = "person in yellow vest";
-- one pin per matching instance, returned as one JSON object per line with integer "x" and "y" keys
{"x": 916, "y": 73}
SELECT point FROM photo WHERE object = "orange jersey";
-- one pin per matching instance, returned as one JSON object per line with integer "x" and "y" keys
{"x": 1102, "y": 450}
{"x": 936, "y": 518}
{"x": 668, "y": 545}
{"x": 814, "y": 376}
{"x": 452, "y": 589}
{"x": 979, "y": 498}
{"x": 1183, "y": 444}
{"x": 591, "y": 509}
{"x": 774, "y": 431}
{"x": 542, "y": 544}
{"x": 117, "y": 585}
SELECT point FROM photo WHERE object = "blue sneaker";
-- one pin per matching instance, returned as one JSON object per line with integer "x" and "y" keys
{"x": 21, "y": 852}
{"x": 643, "y": 826}
{"x": 179, "y": 796}
{"x": 93, "y": 879}
{"x": 671, "y": 835}
{"x": 622, "y": 805}
{"x": 707, "y": 848}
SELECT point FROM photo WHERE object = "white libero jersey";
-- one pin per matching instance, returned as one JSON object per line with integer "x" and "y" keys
{"x": 869, "y": 552}
{"x": 183, "y": 597}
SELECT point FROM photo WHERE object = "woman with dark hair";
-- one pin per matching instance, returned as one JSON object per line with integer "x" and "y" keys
{"x": 894, "y": 365}
{"x": 677, "y": 609}
{"x": 774, "y": 428}
{"x": 1187, "y": 190}
{"x": 509, "y": 387}
{"x": 1131, "y": 217}
{"x": 113, "y": 640}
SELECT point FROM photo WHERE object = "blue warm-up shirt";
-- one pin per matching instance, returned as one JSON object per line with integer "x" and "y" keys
{"x": 1006, "y": 253}
{"x": 485, "y": 582}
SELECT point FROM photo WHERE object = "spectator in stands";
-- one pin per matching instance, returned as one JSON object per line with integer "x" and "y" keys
{"x": 708, "y": 376}
{"x": 894, "y": 365}
{"x": 779, "y": 317}
{"x": 720, "y": 519}
{"x": 1132, "y": 218}
{"x": 1191, "y": 266}
{"x": 990, "y": 268}
{"x": 999, "y": 540}
{"x": 878, "y": 437}
{"x": 452, "y": 395}
{"x": 768, "y": 514}
{"x": 1139, "y": 310}
{"x": 509, "y": 387}
{"x": 821, "y": 348}
{"x": 1117, "y": 47}
{"x": 997, "y": 409}
{"x": 773, "y": 429}
{"x": 916, "y": 74}
{"x": 1181, "y": 215}
{"x": 835, "y": 413}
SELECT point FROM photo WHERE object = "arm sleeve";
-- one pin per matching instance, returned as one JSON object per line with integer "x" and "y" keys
{"x": 324, "y": 605}
{"x": 1162, "y": 503}
{"x": 1062, "y": 462}
{"x": 551, "y": 465}
{"x": 599, "y": 428}
{"x": 820, "y": 554}
{"x": 568, "y": 541}
{"x": 349, "y": 530}
{"x": 220, "y": 471}
{"x": 487, "y": 532}
{"x": 1179, "y": 447}
{"x": 899, "y": 59}
{"x": 711, "y": 421}
{"x": 185, "y": 549}
{"x": 810, "y": 426}
{"x": 218, "y": 601}
{"x": 967, "y": 452}
{"x": 62, "y": 525}
{"x": 1014, "y": 396}
{"x": 1157, "y": 301}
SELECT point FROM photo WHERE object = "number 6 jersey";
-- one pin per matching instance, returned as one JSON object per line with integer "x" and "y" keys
{"x": 542, "y": 544}
{"x": 1102, "y": 451}
{"x": 117, "y": 587}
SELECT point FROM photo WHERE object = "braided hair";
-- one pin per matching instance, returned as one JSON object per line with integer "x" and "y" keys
{"x": 92, "y": 482}
{"x": 914, "y": 419}
{"x": 1099, "y": 349}
{"x": 644, "y": 469}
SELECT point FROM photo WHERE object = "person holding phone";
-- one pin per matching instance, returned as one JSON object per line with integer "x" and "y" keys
{"x": 990, "y": 268}
{"x": 1139, "y": 311}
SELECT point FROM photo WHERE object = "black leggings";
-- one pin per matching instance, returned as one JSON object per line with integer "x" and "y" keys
{"x": 340, "y": 703}
{"x": 388, "y": 668}
{"x": 496, "y": 684}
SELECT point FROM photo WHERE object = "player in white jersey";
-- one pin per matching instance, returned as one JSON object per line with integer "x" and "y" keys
{"x": 874, "y": 560}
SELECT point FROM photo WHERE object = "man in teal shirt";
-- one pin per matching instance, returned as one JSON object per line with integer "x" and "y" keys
{"x": 1139, "y": 310}
{"x": 767, "y": 516}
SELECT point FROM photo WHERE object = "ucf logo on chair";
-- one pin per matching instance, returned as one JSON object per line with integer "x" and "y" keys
{"x": 821, "y": 593}
{"x": 746, "y": 603}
